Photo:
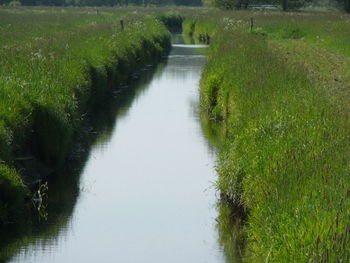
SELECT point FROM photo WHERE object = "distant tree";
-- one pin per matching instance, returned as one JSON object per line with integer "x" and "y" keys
{"x": 228, "y": 4}
{"x": 28, "y": 2}
{"x": 106, "y": 2}
{"x": 15, "y": 3}
{"x": 344, "y": 4}
{"x": 347, "y": 6}
{"x": 188, "y": 2}
{"x": 242, "y": 4}
{"x": 285, "y": 5}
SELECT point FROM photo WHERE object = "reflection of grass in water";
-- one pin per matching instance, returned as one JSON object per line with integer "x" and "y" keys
{"x": 54, "y": 66}
{"x": 117, "y": 103}
{"x": 231, "y": 237}
{"x": 230, "y": 219}
{"x": 39, "y": 200}
{"x": 215, "y": 132}
{"x": 98, "y": 125}
{"x": 188, "y": 39}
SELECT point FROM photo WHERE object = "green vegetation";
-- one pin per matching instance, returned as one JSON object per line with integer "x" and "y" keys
{"x": 98, "y": 3}
{"x": 285, "y": 5}
{"x": 277, "y": 84}
{"x": 172, "y": 20}
{"x": 280, "y": 92}
{"x": 30, "y": 227}
{"x": 54, "y": 66}
{"x": 12, "y": 192}
{"x": 200, "y": 32}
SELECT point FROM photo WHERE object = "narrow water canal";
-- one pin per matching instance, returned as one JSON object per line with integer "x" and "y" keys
{"x": 146, "y": 191}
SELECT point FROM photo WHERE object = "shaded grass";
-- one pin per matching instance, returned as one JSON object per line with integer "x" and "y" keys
{"x": 47, "y": 83}
{"x": 12, "y": 192}
{"x": 30, "y": 228}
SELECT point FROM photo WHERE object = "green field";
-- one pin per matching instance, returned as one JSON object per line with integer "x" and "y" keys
{"x": 280, "y": 92}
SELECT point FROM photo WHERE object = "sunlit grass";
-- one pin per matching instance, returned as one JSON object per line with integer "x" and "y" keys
{"x": 286, "y": 157}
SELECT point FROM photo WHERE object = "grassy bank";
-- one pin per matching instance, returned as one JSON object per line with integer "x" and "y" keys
{"x": 54, "y": 66}
{"x": 281, "y": 91}
{"x": 59, "y": 207}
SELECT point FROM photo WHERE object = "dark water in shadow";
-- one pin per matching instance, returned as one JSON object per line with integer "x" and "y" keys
{"x": 143, "y": 191}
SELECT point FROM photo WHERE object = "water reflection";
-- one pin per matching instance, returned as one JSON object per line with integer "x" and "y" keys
{"x": 31, "y": 231}
{"x": 139, "y": 187}
{"x": 230, "y": 220}
{"x": 190, "y": 46}
{"x": 215, "y": 132}
{"x": 231, "y": 237}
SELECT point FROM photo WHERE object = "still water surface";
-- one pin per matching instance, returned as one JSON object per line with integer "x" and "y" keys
{"x": 145, "y": 191}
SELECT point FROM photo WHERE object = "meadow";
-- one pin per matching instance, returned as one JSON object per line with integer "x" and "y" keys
{"x": 277, "y": 84}
{"x": 279, "y": 90}
{"x": 56, "y": 64}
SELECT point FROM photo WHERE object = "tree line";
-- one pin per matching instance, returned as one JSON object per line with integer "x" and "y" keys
{"x": 103, "y": 2}
{"x": 223, "y": 4}
{"x": 284, "y": 4}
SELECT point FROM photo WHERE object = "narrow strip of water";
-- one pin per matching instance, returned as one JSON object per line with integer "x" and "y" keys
{"x": 146, "y": 191}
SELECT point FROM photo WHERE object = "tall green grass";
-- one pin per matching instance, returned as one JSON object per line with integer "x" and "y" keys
{"x": 325, "y": 29}
{"x": 62, "y": 65}
{"x": 201, "y": 31}
{"x": 286, "y": 156}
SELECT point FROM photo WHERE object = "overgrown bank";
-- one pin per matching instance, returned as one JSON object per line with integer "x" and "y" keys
{"x": 281, "y": 91}
{"x": 51, "y": 74}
